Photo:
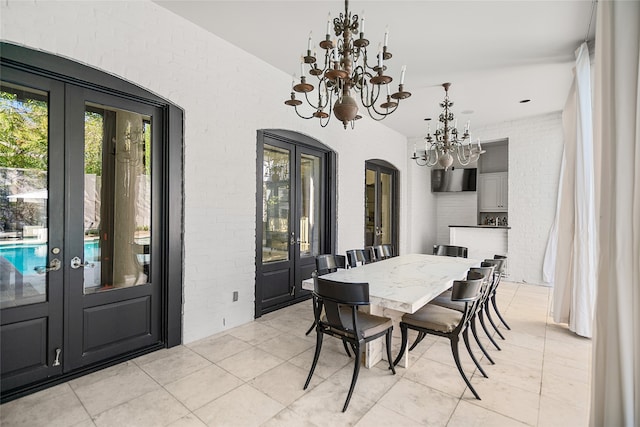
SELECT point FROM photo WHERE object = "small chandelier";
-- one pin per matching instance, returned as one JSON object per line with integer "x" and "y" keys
{"x": 347, "y": 67}
{"x": 439, "y": 148}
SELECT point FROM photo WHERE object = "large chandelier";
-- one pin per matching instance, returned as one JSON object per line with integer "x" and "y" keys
{"x": 347, "y": 69}
{"x": 446, "y": 141}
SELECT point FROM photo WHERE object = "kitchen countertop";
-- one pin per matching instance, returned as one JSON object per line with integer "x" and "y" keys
{"x": 505, "y": 227}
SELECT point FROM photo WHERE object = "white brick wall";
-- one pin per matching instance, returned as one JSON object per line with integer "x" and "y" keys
{"x": 535, "y": 154}
{"x": 227, "y": 96}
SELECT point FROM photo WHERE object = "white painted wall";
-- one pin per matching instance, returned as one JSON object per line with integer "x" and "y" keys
{"x": 227, "y": 95}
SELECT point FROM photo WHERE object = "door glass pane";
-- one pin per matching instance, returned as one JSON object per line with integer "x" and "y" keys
{"x": 370, "y": 208}
{"x": 24, "y": 141}
{"x": 117, "y": 198}
{"x": 276, "y": 187}
{"x": 385, "y": 208}
{"x": 310, "y": 212}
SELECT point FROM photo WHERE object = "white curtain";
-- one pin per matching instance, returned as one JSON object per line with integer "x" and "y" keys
{"x": 616, "y": 377}
{"x": 571, "y": 257}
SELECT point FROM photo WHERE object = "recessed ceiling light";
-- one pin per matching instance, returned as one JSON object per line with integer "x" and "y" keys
{"x": 427, "y": 119}
{"x": 524, "y": 101}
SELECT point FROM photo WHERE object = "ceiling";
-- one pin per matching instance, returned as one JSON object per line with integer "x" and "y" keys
{"x": 495, "y": 53}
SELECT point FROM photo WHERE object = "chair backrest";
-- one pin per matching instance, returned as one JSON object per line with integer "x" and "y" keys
{"x": 387, "y": 249}
{"x": 355, "y": 257}
{"x": 450, "y": 250}
{"x": 369, "y": 254}
{"x": 487, "y": 274}
{"x": 467, "y": 290}
{"x": 337, "y": 298}
{"x": 341, "y": 261}
{"x": 498, "y": 263}
{"x": 326, "y": 264}
{"x": 379, "y": 253}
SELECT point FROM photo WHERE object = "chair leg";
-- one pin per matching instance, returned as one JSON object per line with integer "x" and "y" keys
{"x": 475, "y": 335}
{"x": 495, "y": 307}
{"x": 346, "y": 349}
{"x": 313, "y": 325}
{"x": 315, "y": 359}
{"x": 456, "y": 358}
{"x": 465, "y": 336}
{"x": 486, "y": 331}
{"x": 403, "y": 346}
{"x": 488, "y": 311}
{"x": 420, "y": 337}
{"x": 354, "y": 378}
{"x": 389, "y": 334}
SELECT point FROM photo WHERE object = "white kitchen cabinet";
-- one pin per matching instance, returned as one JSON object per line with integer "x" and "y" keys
{"x": 493, "y": 192}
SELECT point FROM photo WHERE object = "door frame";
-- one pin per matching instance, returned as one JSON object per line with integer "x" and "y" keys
{"x": 328, "y": 215}
{"x": 379, "y": 165}
{"x": 170, "y": 195}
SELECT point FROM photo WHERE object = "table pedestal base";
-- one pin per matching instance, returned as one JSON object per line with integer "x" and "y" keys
{"x": 375, "y": 350}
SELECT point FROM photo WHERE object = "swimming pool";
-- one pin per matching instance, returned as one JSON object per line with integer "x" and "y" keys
{"x": 27, "y": 256}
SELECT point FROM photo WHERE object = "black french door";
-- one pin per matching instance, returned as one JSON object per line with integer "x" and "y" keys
{"x": 82, "y": 271}
{"x": 293, "y": 218}
{"x": 381, "y": 204}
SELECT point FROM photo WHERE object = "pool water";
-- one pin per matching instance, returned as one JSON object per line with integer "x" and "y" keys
{"x": 27, "y": 256}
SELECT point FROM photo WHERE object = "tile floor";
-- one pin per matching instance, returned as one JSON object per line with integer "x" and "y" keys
{"x": 253, "y": 375}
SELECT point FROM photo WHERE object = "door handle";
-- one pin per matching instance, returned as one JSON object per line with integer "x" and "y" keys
{"x": 77, "y": 263}
{"x": 54, "y": 265}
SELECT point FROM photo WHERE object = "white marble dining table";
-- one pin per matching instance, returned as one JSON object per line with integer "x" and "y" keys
{"x": 400, "y": 285}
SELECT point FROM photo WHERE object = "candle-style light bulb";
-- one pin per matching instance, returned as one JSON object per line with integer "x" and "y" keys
{"x": 415, "y": 150}
{"x": 329, "y": 23}
{"x": 362, "y": 22}
{"x": 301, "y": 66}
{"x": 386, "y": 36}
{"x": 309, "y": 41}
{"x": 402, "y": 71}
{"x": 380, "y": 55}
{"x": 293, "y": 80}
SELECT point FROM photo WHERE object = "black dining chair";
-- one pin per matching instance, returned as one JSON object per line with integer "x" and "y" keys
{"x": 387, "y": 250}
{"x": 356, "y": 257}
{"x": 485, "y": 306}
{"x": 450, "y": 250}
{"x": 326, "y": 264}
{"x": 444, "y": 300}
{"x": 370, "y": 254}
{"x": 445, "y": 322}
{"x": 493, "y": 297}
{"x": 499, "y": 270}
{"x": 343, "y": 320}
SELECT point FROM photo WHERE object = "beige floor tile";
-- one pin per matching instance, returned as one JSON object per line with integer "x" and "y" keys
{"x": 420, "y": 403}
{"x": 250, "y": 363}
{"x": 372, "y": 383}
{"x": 380, "y": 416}
{"x": 554, "y": 412}
{"x": 329, "y": 362}
{"x": 572, "y": 392}
{"x": 176, "y": 365}
{"x": 243, "y": 406}
{"x": 505, "y": 399}
{"x": 219, "y": 348}
{"x": 156, "y": 408}
{"x": 470, "y": 415}
{"x": 439, "y": 376}
{"x": 325, "y": 402}
{"x": 578, "y": 374}
{"x": 441, "y": 352}
{"x": 514, "y": 374}
{"x": 57, "y": 406}
{"x": 284, "y": 383}
{"x": 288, "y": 418}
{"x": 286, "y": 346}
{"x": 189, "y": 420}
{"x": 255, "y": 332}
{"x": 113, "y": 386}
{"x": 197, "y": 389}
